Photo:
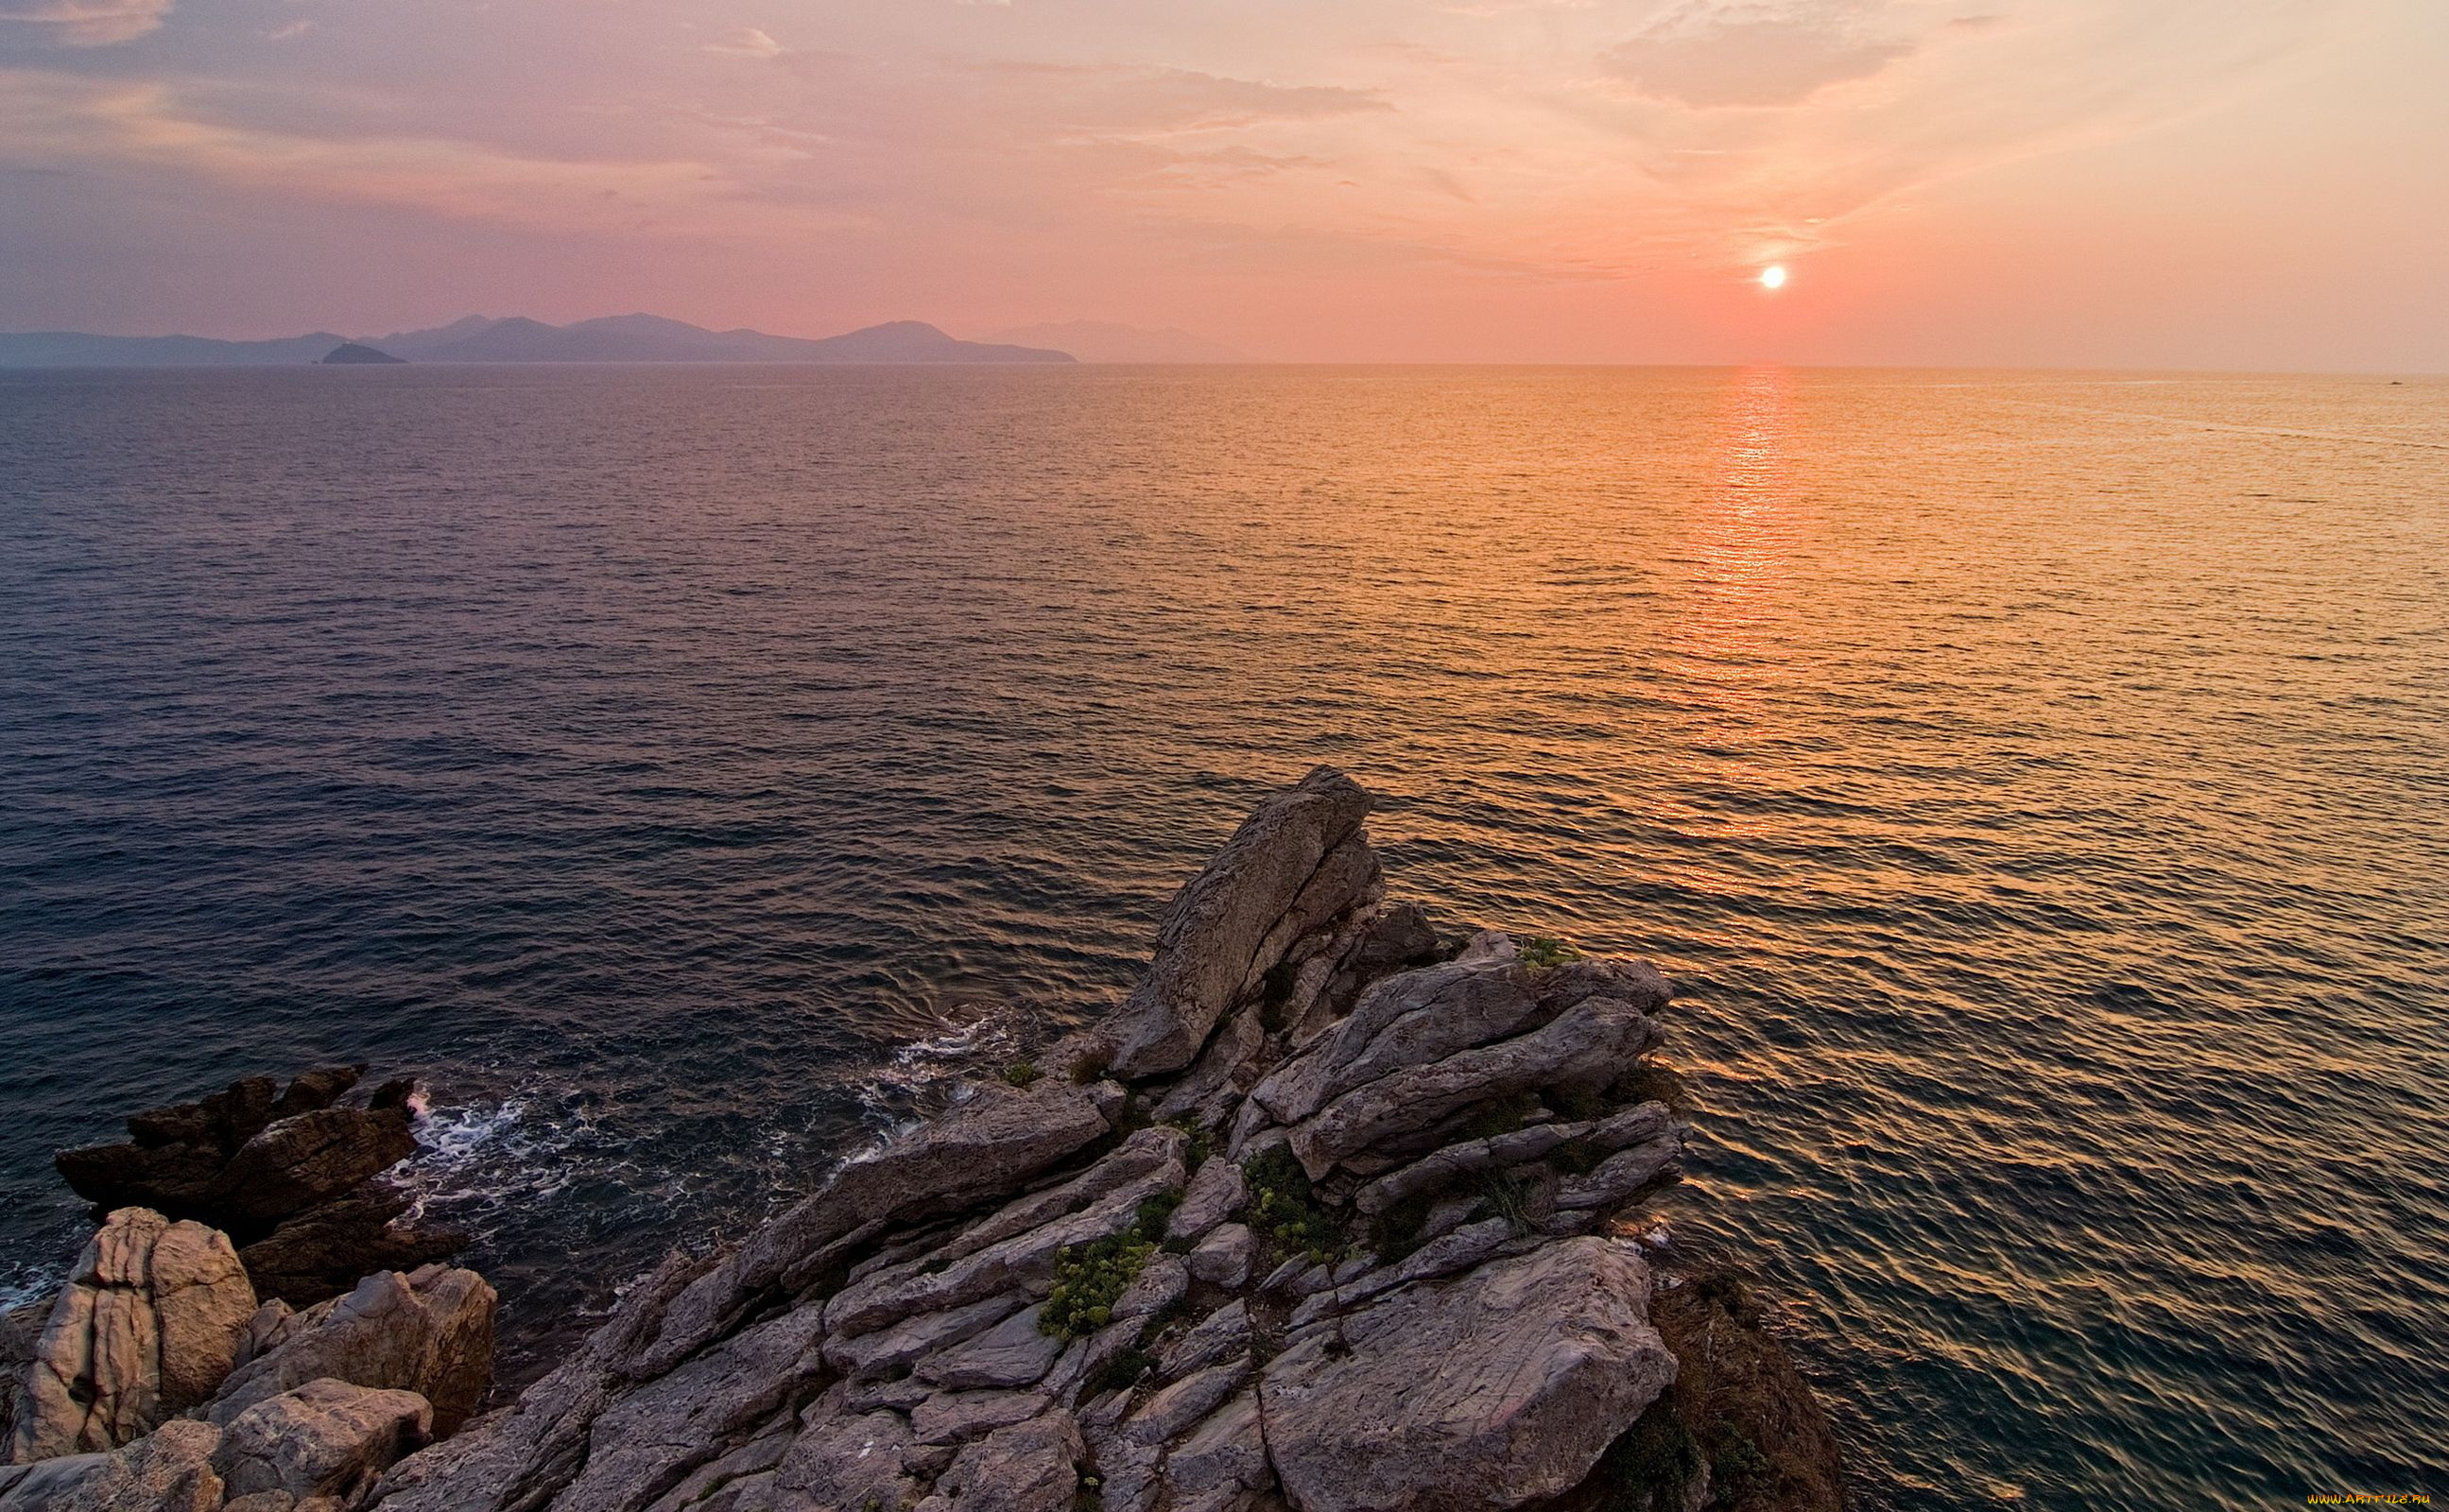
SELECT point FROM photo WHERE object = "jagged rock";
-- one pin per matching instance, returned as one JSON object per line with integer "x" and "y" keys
{"x": 982, "y": 1148}
{"x": 1584, "y": 1048}
{"x": 1220, "y": 1335}
{"x": 1216, "y": 1190}
{"x": 1623, "y": 1175}
{"x": 1376, "y": 1416}
{"x": 956, "y": 1417}
{"x": 1404, "y": 1021}
{"x": 1291, "y": 867}
{"x": 324, "y": 1438}
{"x": 168, "y": 1470}
{"x": 1014, "y": 1352}
{"x": 290, "y": 1176}
{"x": 1029, "y": 1466}
{"x": 1640, "y": 1124}
{"x": 20, "y": 1327}
{"x": 430, "y": 1332}
{"x": 1223, "y": 1463}
{"x": 1224, "y": 1257}
{"x": 328, "y": 1248}
{"x": 146, "y": 1328}
{"x": 1398, "y": 936}
{"x": 1173, "y": 1410}
{"x": 1025, "y": 1261}
{"x": 651, "y": 1440}
{"x": 843, "y": 1463}
{"x": 868, "y": 1355}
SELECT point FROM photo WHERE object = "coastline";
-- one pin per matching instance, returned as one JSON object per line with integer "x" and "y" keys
{"x": 1333, "y": 1213}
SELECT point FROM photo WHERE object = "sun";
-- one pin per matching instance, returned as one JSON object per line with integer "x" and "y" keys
{"x": 1773, "y": 277}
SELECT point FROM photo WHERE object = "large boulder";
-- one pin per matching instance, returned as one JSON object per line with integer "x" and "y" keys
{"x": 324, "y": 1438}
{"x": 1291, "y": 868}
{"x": 166, "y": 1471}
{"x": 1494, "y": 1390}
{"x": 148, "y": 1325}
{"x": 291, "y": 1176}
{"x": 430, "y": 1332}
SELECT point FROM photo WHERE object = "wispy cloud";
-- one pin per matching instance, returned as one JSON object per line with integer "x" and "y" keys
{"x": 86, "y": 23}
{"x": 746, "y": 42}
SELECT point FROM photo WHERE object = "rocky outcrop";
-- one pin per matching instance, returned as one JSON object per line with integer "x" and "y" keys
{"x": 1325, "y": 1218}
{"x": 147, "y": 1327}
{"x": 292, "y": 1176}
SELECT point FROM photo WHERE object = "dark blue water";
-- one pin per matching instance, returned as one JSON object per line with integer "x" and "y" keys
{"x": 2037, "y": 781}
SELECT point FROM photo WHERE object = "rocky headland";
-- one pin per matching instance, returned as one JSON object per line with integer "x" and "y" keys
{"x": 1333, "y": 1213}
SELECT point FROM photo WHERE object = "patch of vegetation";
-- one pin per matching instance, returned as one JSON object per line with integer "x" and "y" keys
{"x": 1283, "y": 1208}
{"x": 1544, "y": 950}
{"x": 1121, "y": 1372}
{"x": 1162, "y": 1319}
{"x": 1396, "y": 1232}
{"x": 1089, "y": 1279}
{"x": 1153, "y": 1215}
{"x": 1198, "y": 1144}
{"x": 1091, "y": 1067}
{"x": 1021, "y": 1073}
{"x": 1177, "y": 1244}
{"x": 1505, "y": 1196}
{"x": 1738, "y": 1465}
{"x": 1131, "y": 1116}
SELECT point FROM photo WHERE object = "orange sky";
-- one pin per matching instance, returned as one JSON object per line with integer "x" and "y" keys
{"x": 2245, "y": 183}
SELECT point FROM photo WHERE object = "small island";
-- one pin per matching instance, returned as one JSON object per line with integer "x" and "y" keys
{"x": 358, "y": 354}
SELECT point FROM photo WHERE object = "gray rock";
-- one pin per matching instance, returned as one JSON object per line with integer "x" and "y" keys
{"x": 1218, "y": 1336}
{"x": 1561, "y": 1357}
{"x": 168, "y": 1470}
{"x": 870, "y": 1355}
{"x": 1588, "y": 1046}
{"x": 956, "y": 1417}
{"x": 324, "y": 1438}
{"x": 1621, "y": 1176}
{"x": 1224, "y": 1257}
{"x": 1030, "y": 1467}
{"x": 1460, "y": 1159}
{"x": 1216, "y": 1190}
{"x": 430, "y": 1332}
{"x": 295, "y": 1163}
{"x": 1459, "y": 1251}
{"x": 20, "y": 1327}
{"x": 1171, "y": 1411}
{"x": 1161, "y": 1283}
{"x": 983, "y": 1147}
{"x": 146, "y": 1328}
{"x": 1404, "y": 1021}
{"x": 741, "y": 1481}
{"x": 1146, "y": 1153}
{"x": 845, "y": 1463}
{"x": 1228, "y": 926}
{"x": 1014, "y": 1352}
{"x": 1024, "y": 1262}
{"x": 657, "y": 1435}
{"x": 1210, "y": 1081}
{"x": 1224, "y": 1463}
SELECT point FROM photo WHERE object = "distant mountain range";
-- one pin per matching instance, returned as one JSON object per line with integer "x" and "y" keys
{"x": 477, "y": 338}
{"x": 1101, "y": 341}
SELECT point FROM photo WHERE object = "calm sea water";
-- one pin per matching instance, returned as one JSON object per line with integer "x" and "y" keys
{"x": 2039, "y": 783}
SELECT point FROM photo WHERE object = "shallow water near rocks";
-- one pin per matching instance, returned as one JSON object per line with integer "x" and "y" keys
{"x": 2035, "y": 782}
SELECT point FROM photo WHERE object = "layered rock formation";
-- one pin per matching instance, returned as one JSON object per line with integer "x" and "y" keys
{"x": 294, "y": 1177}
{"x": 1323, "y": 1217}
{"x": 281, "y": 1409}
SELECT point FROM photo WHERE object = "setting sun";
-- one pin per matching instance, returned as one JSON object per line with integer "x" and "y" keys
{"x": 1772, "y": 278}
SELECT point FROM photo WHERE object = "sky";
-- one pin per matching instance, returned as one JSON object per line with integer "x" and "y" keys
{"x": 2249, "y": 184}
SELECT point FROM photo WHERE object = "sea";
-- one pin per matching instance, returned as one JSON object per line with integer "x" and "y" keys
{"x": 2038, "y": 784}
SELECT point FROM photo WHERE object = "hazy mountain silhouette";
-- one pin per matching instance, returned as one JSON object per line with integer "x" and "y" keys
{"x": 477, "y": 338}
{"x": 1103, "y": 341}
